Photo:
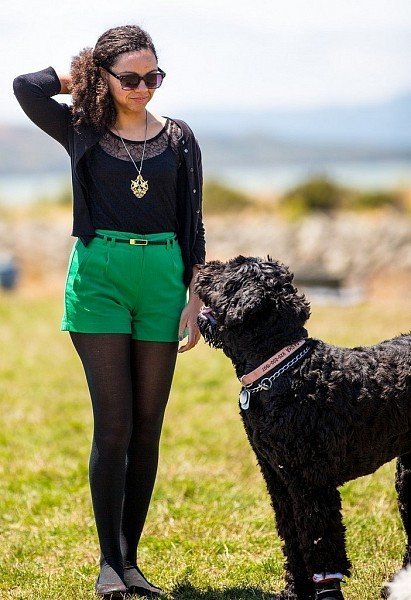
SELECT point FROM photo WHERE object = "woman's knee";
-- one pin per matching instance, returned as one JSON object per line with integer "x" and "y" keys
{"x": 112, "y": 439}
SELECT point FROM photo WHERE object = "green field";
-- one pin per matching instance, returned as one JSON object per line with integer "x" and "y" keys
{"x": 210, "y": 532}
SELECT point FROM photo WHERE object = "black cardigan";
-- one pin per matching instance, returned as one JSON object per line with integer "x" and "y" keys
{"x": 34, "y": 92}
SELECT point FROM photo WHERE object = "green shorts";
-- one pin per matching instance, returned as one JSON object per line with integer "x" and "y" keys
{"x": 116, "y": 287}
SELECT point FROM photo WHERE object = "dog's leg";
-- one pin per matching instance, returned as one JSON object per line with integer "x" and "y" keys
{"x": 403, "y": 487}
{"x": 299, "y": 585}
{"x": 317, "y": 513}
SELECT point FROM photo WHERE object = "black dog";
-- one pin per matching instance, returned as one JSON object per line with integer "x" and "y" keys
{"x": 316, "y": 415}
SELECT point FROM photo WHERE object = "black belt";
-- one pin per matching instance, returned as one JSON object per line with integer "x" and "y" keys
{"x": 136, "y": 241}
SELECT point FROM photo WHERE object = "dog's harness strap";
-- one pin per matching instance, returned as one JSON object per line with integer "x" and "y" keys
{"x": 272, "y": 362}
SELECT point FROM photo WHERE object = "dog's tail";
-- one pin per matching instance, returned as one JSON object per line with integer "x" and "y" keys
{"x": 400, "y": 587}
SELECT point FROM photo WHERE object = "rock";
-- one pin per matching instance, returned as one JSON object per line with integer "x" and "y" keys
{"x": 355, "y": 249}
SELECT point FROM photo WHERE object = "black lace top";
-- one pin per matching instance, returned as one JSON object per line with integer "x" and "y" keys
{"x": 109, "y": 172}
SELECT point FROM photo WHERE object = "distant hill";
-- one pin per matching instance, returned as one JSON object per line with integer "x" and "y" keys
{"x": 385, "y": 124}
{"x": 26, "y": 149}
{"x": 374, "y": 132}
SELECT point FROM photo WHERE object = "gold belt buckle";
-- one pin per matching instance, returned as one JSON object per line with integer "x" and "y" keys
{"x": 136, "y": 242}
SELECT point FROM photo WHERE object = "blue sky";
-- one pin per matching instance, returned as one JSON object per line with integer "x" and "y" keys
{"x": 229, "y": 54}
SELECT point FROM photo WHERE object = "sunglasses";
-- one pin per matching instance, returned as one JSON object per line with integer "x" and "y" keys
{"x": 153, "y": 79}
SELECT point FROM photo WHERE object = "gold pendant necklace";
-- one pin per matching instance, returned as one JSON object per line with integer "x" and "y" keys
{"x": 139, "y": 186}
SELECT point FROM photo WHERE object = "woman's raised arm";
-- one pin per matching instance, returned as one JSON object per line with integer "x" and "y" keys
{"x": 34, "y": 93}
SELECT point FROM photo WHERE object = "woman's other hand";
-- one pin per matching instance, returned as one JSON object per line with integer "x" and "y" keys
{"x": 188, "y": 319}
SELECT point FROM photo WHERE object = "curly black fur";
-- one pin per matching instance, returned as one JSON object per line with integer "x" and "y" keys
{"x": 338, "y": 414}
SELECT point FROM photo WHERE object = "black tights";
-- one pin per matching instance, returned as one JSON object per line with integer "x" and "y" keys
{"x": 129, "y": 383}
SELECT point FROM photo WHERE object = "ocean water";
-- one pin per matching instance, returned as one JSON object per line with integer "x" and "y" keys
{"x": 381, "y": 175}
{"x": 387, "y": 174}
{"x": 26, "y": 189}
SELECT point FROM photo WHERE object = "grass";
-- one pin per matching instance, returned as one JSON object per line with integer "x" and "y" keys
{"x": 210, "y": 533}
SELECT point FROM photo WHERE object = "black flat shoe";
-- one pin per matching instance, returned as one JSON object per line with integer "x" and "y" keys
{"x": 113, "y": 586}
{"x": 109, "y": 591}
{"x": 137, "y": 584}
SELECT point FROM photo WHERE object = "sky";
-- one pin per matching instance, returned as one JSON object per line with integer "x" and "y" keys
{"x": 226, "y": 54}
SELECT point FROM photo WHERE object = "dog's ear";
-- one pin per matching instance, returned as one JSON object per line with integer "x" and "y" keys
{"x": 280, "y": 292}
{"x": 243, "y": 304}
{"x": 204, "y": 281}
{"x": 243, "y": 289}
{"x": 264, "y": 285}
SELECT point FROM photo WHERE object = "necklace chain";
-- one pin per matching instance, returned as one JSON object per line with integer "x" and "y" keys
{"x": 139, "y": 186}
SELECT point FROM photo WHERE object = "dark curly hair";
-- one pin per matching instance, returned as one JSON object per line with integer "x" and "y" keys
{"x": 92, "y": 102}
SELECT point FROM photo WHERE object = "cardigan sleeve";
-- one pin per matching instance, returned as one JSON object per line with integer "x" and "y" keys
{"x": 34, "y": 93}
{"x": 198, "y": 252}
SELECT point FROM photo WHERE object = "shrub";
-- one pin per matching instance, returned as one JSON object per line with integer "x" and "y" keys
{"x": 65, "y": 196}
{"x": 218, "y": 198}
{"x": 315, "y": 194}
{"x": 376, "y": 199}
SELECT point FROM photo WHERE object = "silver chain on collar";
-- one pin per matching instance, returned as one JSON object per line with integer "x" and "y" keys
{"x": 267, "y": 382}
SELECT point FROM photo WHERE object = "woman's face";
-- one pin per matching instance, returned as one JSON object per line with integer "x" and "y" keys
{"x": 141, "y": 62}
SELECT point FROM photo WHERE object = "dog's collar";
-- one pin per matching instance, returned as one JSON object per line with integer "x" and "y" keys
{"x": 272, "y": 362}
{"x": 267, "y": 382}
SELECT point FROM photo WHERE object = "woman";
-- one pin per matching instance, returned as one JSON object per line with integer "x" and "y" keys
{"x": 137, "y": 185}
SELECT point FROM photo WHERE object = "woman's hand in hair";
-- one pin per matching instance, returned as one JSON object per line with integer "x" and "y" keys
{"x": 65, "y": 82}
